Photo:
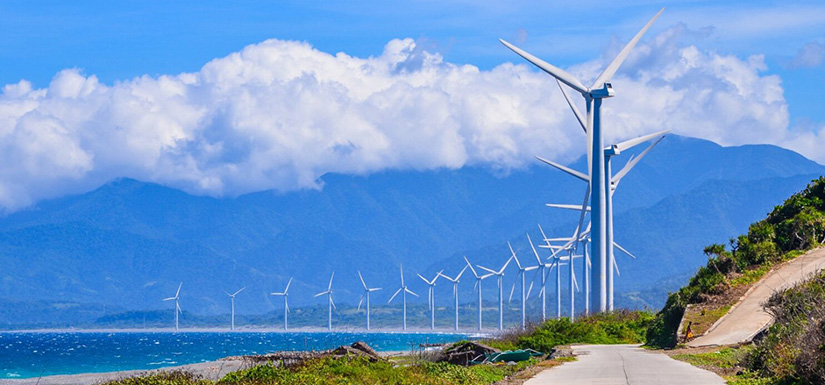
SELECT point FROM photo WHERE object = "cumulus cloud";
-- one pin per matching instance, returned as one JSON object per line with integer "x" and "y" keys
{"x": 279, "y": 114}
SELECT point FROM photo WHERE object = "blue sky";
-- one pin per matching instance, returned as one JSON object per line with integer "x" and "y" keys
{"x": 122, "y": 39}
{"x": 85, "y": 62}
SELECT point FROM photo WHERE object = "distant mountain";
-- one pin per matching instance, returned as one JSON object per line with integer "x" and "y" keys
{"x": 129, "y": 243}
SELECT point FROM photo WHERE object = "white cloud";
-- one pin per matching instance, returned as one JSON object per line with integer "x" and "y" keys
{"x": 279, "y": 114}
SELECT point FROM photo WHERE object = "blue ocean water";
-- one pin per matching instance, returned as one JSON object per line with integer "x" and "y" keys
{"x": 24, "y": 355}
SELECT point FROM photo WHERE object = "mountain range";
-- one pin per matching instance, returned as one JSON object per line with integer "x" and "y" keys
{"x": 128, "y": 244}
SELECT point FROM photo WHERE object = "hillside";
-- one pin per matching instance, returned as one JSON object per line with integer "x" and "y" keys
{"x": 790, "y": 229}
{"x": 128, "y": 243}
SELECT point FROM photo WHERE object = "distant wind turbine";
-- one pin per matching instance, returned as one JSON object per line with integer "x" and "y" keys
{"x": 367, "y": 291}
{"x": 328, "y": 293}
{"x": 232, "y": 299}
{"x": 500, "y": 276}
{"x": 176, "y": 298}
{"x": 477, "y": 287}
{"x": 403, "y": 290}
{"x": 521, "y": 271}
{"x": 431, "y": 296}
{"x": 455, "y": 282}
{"x": 285, "y": 294}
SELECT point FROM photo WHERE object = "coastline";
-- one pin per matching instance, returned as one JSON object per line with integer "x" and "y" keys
{"x": 471, "y": 333}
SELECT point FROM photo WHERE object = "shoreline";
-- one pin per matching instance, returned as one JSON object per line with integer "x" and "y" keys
{"x": 470, "y": 333}
{"x": 210, "y": 370}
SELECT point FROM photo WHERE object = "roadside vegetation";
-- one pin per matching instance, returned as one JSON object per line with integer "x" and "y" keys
{"x": 618, "y": 327}
{"x": 791, "y": 229}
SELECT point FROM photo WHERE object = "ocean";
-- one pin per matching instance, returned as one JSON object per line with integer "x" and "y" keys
{"x": 34, "y": 354}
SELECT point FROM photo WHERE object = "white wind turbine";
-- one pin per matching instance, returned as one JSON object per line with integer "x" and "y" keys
{"x": 285, "y": 294}
{"x": 176, "y": 298}
{"x": 328, "y": 293}
{"x": 611, "y": 151}
{"x": 500, "y": 275}
{"x": 455, "y": 282}
{"x": 543, "y": 269}
{"x": 403, "y": 290}
{"x": 598, "y": 170}
{"x": 366, "y": 295}
{"x": 431, "y": 296}
{"x": 477, "y": 287}
{"x": 232, "y": 299}
{"x": 521, "y": 271}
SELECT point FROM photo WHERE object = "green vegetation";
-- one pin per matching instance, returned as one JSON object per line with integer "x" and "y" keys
{"x": 789, "y": 230}
{"x": 794, "y": 348}
{"x": 728, "y": 362}
{"x": 618, "y": 327}
{"x": 350, "y": 370}
{"x": 361, "y": 371}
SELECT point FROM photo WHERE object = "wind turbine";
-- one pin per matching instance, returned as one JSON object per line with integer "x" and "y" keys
{"x": 431, "y": 297}
{"x": 599, "y": 185}
{"x": 366, "y": 296}
{"x": 328, "y": 293}
{"x": 543, "y": 269}
{"x": 477, "y": 286}
{"x": 521, "y": 271}
{"x": 176, "y": 298}
{"x": 610, "y": 151}
{"x": 232, "y": 299}
{"x": 455, "y": 282}
{"x": 285, "y": 294}
{"x": 403, "y": 290}
{"x": 500, "y": 275}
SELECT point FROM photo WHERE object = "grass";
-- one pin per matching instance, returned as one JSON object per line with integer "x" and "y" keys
{"x": 618, "y": 327}
{"x": 703, "y": 317}
{"x": 728, "y": 363}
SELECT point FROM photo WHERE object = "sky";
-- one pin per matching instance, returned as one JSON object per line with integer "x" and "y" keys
{"x": 224, "y": 98}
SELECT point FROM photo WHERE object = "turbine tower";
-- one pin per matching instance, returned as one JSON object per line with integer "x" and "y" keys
{"x": 599, "y": 185}
{"x": 232, "y": 299}
{"x": 477, "y": 287}
{"x": 285, "y": 294}
{"x": 543, "y": 269}
{"x": 328, "y": 293}
{"x": 366, "y": 296}
{"x": 403, "y": 290}
{"x": 455, "y": 282}
{"x": 431, "y": 297}
{"x": 521, "y": 271}
{"x": 500, "y": 275}
{"x": 176, "y": 298}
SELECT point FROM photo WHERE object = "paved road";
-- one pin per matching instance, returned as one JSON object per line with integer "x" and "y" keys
{"x": 623, "y": 365}
{"x": 748, "y": 318}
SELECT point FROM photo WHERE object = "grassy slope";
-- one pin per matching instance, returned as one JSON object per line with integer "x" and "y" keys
{"x": 789, "y": 230}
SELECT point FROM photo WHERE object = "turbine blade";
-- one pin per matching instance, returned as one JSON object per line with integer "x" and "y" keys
{"x": 620, "y": 58}
{"x": 227, "y": 293}
{"x": 484, "y": 268}
{"x": 632, "y": 163}
{"x": 505, "y": 265}
{"x": 362, "y": 280}
{"x": 574, "y": 173}
{"x": 287, "y": 285}
{"x": 616, "y": 266}
{"x": 360, "y": 301}
{"x": 532, "y": 246}
{"x": 556, "y": 72}
{"x": 460, "y": 273}
{"x": 177, "y": 294}
{"x": 169, "y": 299}
{"x": 320, "y": 294}
{"x": 402, "y": 275}
{"x": 579, "y": 116}
{"x": 513, "y": 288}
{"x": 330, "y": 281}
{"x": 331, "y": 302}
{"x": 411, "y": 292}
{"x": 423, "y": 279}
{"x": 475, "y": 274}
{"x": 567, "y": 207}
{"x": 236, "y": 293}
{"x": 624, "y": 250}
{"x": 396, "y": 293}
{"x": 628, "y": 144}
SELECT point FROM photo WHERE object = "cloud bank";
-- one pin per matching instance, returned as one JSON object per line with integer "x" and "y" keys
{"x": 279, "y": 114}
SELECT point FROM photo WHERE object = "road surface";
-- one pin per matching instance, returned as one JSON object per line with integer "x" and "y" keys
{"x": 748, "y": 317}
{"x": 623, "y": 365}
